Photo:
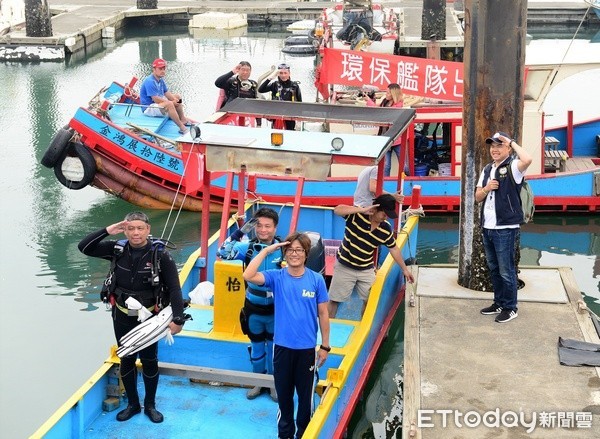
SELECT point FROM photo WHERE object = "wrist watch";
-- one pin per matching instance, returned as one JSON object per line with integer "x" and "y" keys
{"x": 325, "y": 348}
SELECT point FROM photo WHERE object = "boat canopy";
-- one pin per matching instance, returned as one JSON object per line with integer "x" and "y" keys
{"x": 307, "y": 154}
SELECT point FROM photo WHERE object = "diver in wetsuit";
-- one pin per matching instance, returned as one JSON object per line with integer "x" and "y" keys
{"x": 282, "y": 89}
{"x": 237, "y": 83}
{"x": 257, "y": 317}
{"x": 132, "y": 277}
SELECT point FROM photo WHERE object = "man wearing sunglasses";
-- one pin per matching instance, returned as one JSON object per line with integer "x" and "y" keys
{"x": 256, "y": 317}
{"x": 282, "y": 89}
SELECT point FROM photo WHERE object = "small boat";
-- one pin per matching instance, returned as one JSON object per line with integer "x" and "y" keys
{"x": 300, "y": 49}
{"x": 361, "y": 25}
{"x": 301, "y": 45}
{"x": 301, "y": 27}
{"x": 212, "y": 349}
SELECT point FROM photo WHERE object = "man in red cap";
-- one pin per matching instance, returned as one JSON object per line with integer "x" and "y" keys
{"x": 158, "y": 100}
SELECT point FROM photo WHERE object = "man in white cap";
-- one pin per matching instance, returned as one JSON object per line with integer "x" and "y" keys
{"x": 501, "y": 214}
{"x": 158, "y": 100}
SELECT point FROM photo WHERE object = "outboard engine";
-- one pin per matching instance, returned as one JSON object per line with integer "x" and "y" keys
{"x": 316, "y": 257}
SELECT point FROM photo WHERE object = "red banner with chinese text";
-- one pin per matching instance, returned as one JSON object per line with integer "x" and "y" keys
{"x": 416, "y": 76}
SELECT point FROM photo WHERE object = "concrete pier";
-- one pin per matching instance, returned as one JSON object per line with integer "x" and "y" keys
{"x": 458, "y": 361}
{"x": 79, "y": 23}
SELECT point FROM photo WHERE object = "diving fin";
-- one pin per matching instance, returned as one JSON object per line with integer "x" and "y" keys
{"x": 146, "y": 333}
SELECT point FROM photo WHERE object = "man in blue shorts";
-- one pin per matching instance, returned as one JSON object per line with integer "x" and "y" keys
{"x": 300, "y": 302}
{"x": 158, "y": 100}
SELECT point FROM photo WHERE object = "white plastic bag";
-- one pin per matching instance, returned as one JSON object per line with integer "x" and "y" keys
{"x": 203, "y": 293}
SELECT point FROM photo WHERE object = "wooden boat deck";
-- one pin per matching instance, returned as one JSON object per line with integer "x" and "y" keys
{"x": 575, "y": 164}
{"x": 457, "y": 359}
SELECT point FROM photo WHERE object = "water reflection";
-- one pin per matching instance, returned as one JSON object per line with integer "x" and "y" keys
{"x": 572, "y": 240}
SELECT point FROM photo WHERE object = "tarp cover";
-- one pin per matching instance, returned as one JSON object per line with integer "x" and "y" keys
{"x": 578, "y": 353}
{"x": 396, "y": 118}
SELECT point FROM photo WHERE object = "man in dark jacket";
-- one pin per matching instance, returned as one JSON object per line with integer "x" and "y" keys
{"x": 501, "y": 214}
{"x": 132, "y": 277}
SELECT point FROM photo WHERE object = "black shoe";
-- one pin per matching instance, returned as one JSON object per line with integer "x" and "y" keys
{"x": 128, "y": 413}
{"x": 507, "y": 315}
{"x": 493, "y": 309}
{"x": 154, "y": 415}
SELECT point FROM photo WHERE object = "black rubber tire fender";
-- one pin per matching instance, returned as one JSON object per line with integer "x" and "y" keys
{"x": 76, "y": 151}
{"x": 57, "y": 148}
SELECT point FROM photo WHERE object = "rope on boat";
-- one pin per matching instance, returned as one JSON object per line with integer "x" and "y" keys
{"x": 407, "y": 213}
{"x": 175, "y": 199}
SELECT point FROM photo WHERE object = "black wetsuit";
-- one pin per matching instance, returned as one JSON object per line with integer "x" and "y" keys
{"x": 234, "y": 88}
{"x": 283, "y": 91}
{"x": 132, "y": 277}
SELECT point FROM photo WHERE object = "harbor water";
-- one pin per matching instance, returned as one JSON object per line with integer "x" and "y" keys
{"x": 54, "y": 332}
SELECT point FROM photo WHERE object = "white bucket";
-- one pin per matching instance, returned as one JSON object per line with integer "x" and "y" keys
{"x": 445, "y": 169}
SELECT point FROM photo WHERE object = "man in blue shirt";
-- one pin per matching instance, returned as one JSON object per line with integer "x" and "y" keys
{"x": 256, "y": 317}
{"x": 157, "y": 98}
{"x": 300, "y": 302}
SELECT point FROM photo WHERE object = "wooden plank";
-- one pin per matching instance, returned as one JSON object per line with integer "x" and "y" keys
{"x": 224, "y": 376}
{"x": 412, "y": 366}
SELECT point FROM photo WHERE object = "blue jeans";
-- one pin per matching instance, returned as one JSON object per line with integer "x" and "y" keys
{"x": 499, "y": 246}
{"x": 387, "y": 168}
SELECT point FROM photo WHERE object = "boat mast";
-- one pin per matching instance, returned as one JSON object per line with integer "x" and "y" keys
{"x": 493, "y": 98}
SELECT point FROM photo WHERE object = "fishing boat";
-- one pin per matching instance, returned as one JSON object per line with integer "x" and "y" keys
{"x": 211, "y": 349}
{"x": 113, "y": 146}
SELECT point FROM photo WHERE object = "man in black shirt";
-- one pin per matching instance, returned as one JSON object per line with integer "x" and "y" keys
{"x": 132, "y": 277}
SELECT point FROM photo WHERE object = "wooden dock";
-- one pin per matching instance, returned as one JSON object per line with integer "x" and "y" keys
{"x": 457, "y": 361}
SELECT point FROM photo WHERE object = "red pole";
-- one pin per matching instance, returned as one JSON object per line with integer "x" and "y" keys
{"x": 226, "y": 207}
{"x": 204, "y": 225}
{"x": 543, "y": 148}
{"x": 570, "y": 133}
{"x": 241, "y": 194}
{"x": 379, "y": 185}
{"x": 416, "y": 197}
{"x": 296, "y": 208}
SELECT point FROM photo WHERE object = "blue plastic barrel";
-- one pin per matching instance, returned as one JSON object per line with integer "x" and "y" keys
{"x": 421, "y": 170}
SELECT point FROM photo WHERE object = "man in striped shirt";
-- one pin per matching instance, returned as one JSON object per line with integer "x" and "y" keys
{"x": 366, "y": 229}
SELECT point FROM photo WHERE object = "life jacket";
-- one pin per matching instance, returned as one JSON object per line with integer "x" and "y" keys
{"x": 255, "y": 293}
{"x": 159, "y": 292}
